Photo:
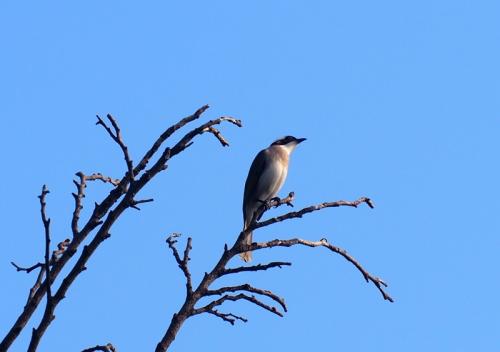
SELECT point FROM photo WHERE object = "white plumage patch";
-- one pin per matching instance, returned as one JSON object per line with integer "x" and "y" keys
{"x": 272, "y": 180}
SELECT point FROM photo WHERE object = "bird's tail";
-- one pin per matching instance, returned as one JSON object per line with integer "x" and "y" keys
{"x": 247, "y": 256}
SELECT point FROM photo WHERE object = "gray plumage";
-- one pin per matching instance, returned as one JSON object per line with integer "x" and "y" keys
{"x": 265, "y": 178}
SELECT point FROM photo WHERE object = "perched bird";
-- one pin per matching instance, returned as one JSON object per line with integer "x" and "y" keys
{"x": 265, "y": 178}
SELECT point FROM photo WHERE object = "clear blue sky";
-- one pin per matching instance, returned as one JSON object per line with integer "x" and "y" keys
{"x": 399, "y": 101}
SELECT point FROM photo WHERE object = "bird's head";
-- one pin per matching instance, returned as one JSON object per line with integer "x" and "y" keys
{"x": 288, "y": 142}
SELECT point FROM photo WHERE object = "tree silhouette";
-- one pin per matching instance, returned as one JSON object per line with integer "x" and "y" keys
{"x": 123, "y": 196}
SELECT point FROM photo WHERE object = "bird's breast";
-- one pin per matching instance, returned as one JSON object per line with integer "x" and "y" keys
{"x": 272, "y": 180}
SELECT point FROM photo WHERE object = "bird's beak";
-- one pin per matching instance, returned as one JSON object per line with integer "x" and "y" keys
{"x": 300, "y": 140}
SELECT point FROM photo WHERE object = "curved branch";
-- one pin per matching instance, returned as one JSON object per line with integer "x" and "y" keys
{"x": 310, "y": 209}
{"x": 248, "y": 288}
{"x": 234, "y": 298}
{"x": 379, "y": 283}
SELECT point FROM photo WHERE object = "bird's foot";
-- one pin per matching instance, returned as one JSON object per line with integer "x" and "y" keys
{"x": 268, "y": 204}
{"x": 274, "y": 200}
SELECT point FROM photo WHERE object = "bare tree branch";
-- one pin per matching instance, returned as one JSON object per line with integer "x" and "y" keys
{"x": 229, "y": 317}
{"x": 37, "y": 284}
{"x": 122, "y": 197}
{"x": 47, "y": 315}
{"x": 133, "y": 202}
{"x": 310, "y": 209}
{"x": 186, "y": 141}
{"x": 257, "y": 267}
{"x": 183, "y": 263}
{"x": 29, "y": 269}
{"x": 203, "y": 290}
{"x": 240, "y": 296}
{"x": 117, "y": 137}
{"x": 324, "y": 243}
{"x": 104, "y": 348}
{"x": 78, "y": 196}
{"x": 61, "y": 247}
{"x": 101, "y": 177}
{"x": 165, "y": 135}
{"x": 103, "y": 217}
{"x": 248, "y": 288}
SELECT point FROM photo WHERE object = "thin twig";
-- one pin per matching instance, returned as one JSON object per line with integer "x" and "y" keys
{"x": 117, "y": 137}
{"x": 61, "y": 247}
{"x": 133, "y": 202}
{"x": 29, "y": 269}
{"x": 49, "y": 307}
{"x": 183, "y": 263}
{"x": 46, "y": 226}
{"x": 218, "y": 135}
{"x": 229, "y": 317}
{"x": 103, "y": 178}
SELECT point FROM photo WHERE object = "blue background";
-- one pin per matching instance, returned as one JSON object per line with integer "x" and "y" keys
{"x": 399, "y": 102}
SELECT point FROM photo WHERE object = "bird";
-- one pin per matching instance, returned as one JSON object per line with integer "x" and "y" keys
{"x": 265, "y": 178}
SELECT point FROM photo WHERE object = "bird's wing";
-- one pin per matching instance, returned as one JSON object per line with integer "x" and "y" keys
{"x": 257, "y": 168}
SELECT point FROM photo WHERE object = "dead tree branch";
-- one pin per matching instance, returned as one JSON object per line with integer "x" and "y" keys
{"x": 203, "y": 290}
{"x": 248, "y": 288}
{"x": 61, "y": 247}
{"x": 105, "y": 213}
{"x": 47, "y": 315}
{"x": 379, "y": 283}
{"x": 165, "y": 135}
{"x": 234, "y": 298}
{"x": 29, "y": 269}
{"x": 104, "y": 348}
{"x": 183, "y": 263}
{"x": 123, "y": 196}
{"x": 257, "y": 267}
{"x": 310, "y": 209}
{"x": 117, "y": 137}
{"x": 229, "y": 317}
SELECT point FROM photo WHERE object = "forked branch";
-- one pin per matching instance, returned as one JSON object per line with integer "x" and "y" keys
{"x": 182, "y": 262}
{"x": 246, "y": 291}
{"x": 104, "y": 214}
{"x": 117, "y": 137}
